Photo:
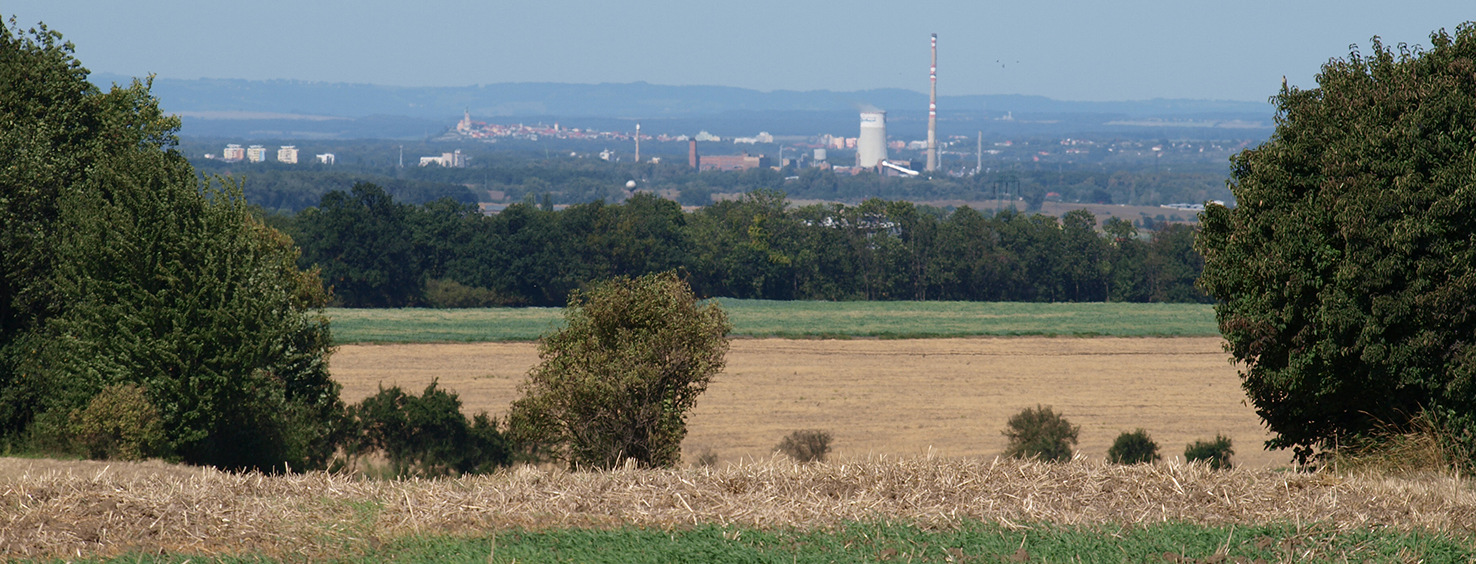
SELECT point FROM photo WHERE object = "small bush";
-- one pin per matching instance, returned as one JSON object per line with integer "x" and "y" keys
{"x": 120, "y": 423}
{"x": 1216, "y": 453}
{"x": 427, "y": 435}
{"x": 806, "y": 446}
{"x": 1040, "y": 433}
{"x": 443, "y": 293}
{"x": 1133, "y": 448}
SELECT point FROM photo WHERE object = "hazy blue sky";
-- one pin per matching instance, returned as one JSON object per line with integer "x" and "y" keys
{"x": 1069, "y": 50}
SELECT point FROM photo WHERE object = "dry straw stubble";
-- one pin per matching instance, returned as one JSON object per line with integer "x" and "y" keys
{"x": 99, "y": 509}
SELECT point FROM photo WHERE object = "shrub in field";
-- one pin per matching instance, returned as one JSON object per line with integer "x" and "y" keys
{"x": 1133, "y": 448}
{"x": 1216, "y": 453}
{"x": 444, "y": 293}
{"x": 806, "y": 446}
{"x": 119, "y": 423}
{"x": 616, "y": 382}
{"x": 1040, "y": 433}
{"x": 427, "y": 435}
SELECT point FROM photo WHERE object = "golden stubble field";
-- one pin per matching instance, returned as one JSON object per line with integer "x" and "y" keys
{"x": 950, "y": 397}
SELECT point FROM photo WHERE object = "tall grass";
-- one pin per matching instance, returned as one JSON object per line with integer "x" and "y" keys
{"x": 764, "y": 318}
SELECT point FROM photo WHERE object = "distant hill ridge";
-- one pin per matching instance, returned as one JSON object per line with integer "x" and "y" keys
{"x": 627, "y": 100}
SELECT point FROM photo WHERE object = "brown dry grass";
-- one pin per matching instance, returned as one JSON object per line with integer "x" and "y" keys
{"x": 949, "y": 397}
{"x": 96, "y": 509}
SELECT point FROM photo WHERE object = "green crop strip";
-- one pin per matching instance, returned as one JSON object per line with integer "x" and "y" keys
{"x": 892, "y": 542}
{"x": 805, "y": 320}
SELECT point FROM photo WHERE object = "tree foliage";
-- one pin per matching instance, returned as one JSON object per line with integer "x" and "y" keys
{"x": 123, "y": 268}
{"x": 119, "y": 423}
{"x": 427, "y": 435}
{"x": 362, "y": 241}
{"x": 1344, "y": 276}
{"x": 1133, "y": 448}
{"x": 757, "y": 246}
{"x": 1215, "y": 453}
{"x": 1040, "y": 433}
{"x": 617, "y": 382}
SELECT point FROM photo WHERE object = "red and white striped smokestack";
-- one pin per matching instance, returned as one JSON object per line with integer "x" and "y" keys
{"x": 933, "y": 111}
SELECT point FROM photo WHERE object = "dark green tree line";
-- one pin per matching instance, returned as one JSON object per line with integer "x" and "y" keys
{"x": 375, "y": 252}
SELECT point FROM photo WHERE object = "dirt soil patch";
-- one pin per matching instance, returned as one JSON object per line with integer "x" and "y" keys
{"x": 948, "y": 397}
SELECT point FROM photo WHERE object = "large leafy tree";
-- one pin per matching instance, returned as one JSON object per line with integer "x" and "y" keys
{"x": 124, "y": 270}
{"x": 1345, "y": 275}
{"x": 617, "y": 382}
{"x": 363, "y": 242}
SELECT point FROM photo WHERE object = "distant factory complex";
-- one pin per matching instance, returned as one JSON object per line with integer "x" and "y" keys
{"x": 871, "y": 144}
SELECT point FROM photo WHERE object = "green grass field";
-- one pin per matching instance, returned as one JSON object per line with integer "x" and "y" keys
{"x": 762, "y": 318}
{"x": 891, "y": 542}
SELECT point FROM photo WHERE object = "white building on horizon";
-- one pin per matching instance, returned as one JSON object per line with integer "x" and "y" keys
{"x": 256, "y": 154}
{"x": 449, "y": 160}
{"x": 287, "y": 154}
{"x": 233, "y": 153}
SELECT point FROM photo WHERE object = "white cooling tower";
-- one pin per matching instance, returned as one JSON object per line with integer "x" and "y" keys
{"x": 871, "y": 146}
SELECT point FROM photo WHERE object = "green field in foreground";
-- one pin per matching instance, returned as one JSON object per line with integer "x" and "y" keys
{"x": 763, "y": 318}
{"x": 883, "y": 542}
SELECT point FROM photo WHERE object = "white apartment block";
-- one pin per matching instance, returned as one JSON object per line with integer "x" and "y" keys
{"x": 287, "y": 154}
{"x": 233, "y": 153}
{"x": 256, "y": 153}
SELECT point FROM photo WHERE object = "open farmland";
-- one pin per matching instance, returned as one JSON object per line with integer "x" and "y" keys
{"x": 950, "y": 397}
{"x": 764, "y": 318}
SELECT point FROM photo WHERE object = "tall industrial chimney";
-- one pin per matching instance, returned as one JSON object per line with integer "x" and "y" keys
{"x": 638, "y": 141}
{"x": 933, "y": 111}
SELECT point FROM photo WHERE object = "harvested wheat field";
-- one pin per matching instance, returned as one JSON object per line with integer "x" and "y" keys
{"x": 948, "y": 397}
{"x": 100, "y": 509}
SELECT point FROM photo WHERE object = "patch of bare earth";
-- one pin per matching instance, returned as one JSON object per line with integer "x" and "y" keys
{"x": 96, "y": 509}
{"x": 950, "y": 397}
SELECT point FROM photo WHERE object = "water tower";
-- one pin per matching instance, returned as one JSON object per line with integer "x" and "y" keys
{"x": 871, "y": 146}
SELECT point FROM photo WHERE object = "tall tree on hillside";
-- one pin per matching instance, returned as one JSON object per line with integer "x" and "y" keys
{"x": 1125, "y": 256}
{"x": 362, "y": 241}
{"x": 1345, "y": 274}
{"x": 123, "y": 271}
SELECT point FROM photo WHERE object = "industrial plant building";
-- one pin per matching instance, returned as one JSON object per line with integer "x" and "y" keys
{"x": 732, "y": 162}
{"x": 871, "y": 145}
{"x": 449, "y": 160}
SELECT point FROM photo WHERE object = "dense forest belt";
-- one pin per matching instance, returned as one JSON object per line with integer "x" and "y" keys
{"x": 950, "y": 397}
{"x": 77, "y": 509}
{"x": 376, "y": 252}
{"x": 804, "y": 319}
